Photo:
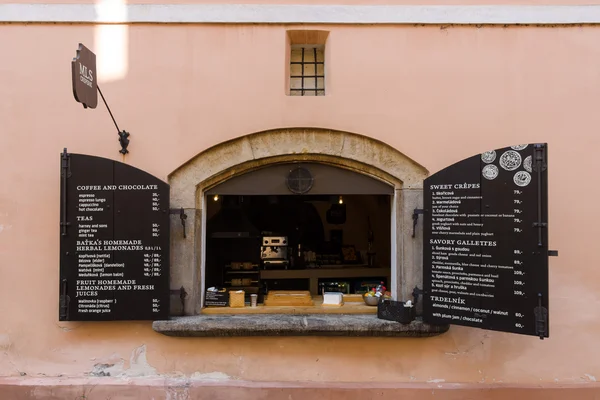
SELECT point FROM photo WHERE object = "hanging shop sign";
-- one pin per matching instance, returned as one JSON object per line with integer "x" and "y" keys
{"x": 114, "y": 249}
{"x": 86, "y": 89}
{"x": 486, "y": 242}
{"x": 83, "y": 75}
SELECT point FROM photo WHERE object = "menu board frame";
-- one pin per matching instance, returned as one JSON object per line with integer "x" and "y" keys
{"x": 114, "y": 241}
{"x": 485, "y": 247}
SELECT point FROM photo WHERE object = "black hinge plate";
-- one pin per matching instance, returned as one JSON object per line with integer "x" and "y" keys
{"x": 66, "y": 164}
{"x": 541, "y": 319}
{"x": 63, "y": 301}
{"x": 415, "y": 217}
{"x": 182, "y": 216}
{"x": 182, "y": 296}
{"x": 539, "y": 156}
{"x": 416, "y": 293}
{"x": 65, "y": 174}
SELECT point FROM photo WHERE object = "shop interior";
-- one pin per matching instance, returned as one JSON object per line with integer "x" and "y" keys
{"x": 282, "y": 250}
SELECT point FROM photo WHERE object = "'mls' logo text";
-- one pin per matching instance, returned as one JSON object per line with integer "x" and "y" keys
{"x": 86, "y": 75}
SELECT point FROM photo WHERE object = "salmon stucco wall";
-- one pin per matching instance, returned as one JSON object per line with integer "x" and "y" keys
{"x": 312, "y": 2}
{"x": 437, "y": 94}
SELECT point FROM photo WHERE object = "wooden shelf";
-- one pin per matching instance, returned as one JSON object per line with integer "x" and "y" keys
{"x": 349, "y": 272}
{"x": 243, "y": 272}
{"x": 247, "y": 289}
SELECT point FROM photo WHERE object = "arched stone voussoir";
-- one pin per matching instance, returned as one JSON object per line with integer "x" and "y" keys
{"x": 273, "y": 143}
{"x": 278, "y": 144}
{"x": 206, "y": 164}
{"x": 386, "y": 158}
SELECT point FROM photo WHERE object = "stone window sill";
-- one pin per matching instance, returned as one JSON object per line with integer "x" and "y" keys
{"x": 293, "y": 325}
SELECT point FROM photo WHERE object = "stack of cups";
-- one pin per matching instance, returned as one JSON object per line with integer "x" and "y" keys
{"x": 253, "y": 299}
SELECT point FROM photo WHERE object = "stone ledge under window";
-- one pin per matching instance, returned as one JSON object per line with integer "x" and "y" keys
{"x": 293, "y": 325}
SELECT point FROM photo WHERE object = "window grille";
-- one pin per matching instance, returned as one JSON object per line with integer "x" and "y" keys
{"x": 307, "y": 71}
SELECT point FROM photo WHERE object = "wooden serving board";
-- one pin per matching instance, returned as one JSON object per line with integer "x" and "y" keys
{"x": 288, "y": 298}
{"x": 358, "y": 298}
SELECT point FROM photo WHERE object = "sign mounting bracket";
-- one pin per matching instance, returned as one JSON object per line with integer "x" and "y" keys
{"x": 86, "y": 89}
{"x": 123, "y": 135}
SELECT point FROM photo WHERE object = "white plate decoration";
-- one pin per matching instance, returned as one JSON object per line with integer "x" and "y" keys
{"x": 527, "y": 163}
{"x": 488, "y": 156}
{"x": 490, "y": 172}
{"x": 510, "y": 160}
{"x": 519, "y": 147}
{"x": 522, "y": 178}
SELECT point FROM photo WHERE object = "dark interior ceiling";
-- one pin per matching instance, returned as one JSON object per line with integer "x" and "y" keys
{"x": 326, "y": 180}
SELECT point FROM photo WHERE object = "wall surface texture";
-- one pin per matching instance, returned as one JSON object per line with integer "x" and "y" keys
{"x": 437, "y": 94}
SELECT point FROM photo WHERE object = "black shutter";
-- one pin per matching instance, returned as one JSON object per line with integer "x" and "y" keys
{"x": 114, "y": 249}
{"x": 486, "y": 242}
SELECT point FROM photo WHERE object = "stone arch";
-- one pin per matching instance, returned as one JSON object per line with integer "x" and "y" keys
{"x": 244, "y": 154}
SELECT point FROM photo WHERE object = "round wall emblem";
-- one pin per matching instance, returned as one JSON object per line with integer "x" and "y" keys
{"x": 299, "y": 180}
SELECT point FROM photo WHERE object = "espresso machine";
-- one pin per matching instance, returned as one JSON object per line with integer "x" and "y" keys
{"x": 274, "y": 252}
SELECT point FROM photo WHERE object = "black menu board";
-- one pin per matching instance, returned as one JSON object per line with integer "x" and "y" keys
{"x": 486, "y": 242}
{"x": 114, "y": 249}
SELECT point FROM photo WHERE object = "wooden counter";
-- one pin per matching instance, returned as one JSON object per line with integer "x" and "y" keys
{"x": 318, "y": 308}
{"x": 314, "y": 274}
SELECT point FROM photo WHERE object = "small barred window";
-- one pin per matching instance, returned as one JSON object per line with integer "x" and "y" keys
{"x": 307, "y": 71}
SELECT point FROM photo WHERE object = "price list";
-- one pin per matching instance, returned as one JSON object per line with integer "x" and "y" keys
{"x": 485, "y": 258}
{"x": 152, "y": 265}
{"x": 114, "y": 242}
